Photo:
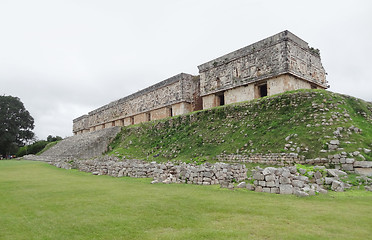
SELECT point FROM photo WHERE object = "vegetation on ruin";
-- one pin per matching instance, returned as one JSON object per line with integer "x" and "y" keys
{"x": 302, "y": 121}
{"x": 40, "y": 201}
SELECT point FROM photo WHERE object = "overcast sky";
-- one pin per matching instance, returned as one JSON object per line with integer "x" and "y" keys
{"x": 66, "y": 58}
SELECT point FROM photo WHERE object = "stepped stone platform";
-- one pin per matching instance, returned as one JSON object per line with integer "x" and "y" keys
{"x": 84, "y": 146}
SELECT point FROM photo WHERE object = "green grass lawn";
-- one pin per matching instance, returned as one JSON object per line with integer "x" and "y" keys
{"x": 39, "y": 201}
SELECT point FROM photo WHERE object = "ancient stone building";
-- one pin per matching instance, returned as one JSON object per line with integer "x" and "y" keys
{"x": 274, "y": 65}
{"x": 174, "y": 96}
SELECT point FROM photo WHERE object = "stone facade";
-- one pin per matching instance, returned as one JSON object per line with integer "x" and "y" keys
{"x": 274, "y": 65}
{"x": 171, "y": 97}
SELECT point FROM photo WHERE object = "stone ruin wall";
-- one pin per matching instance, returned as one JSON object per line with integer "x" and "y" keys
{"x": 170, "y": 97}
{"x": 283, "y": 62}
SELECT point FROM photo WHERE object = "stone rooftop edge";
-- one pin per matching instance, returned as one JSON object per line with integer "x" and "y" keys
{"x": 250, "y": 49}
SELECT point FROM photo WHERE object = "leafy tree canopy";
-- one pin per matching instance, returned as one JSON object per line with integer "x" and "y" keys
{"x": 16, "y": 125}
{"x": 50, "y": 138}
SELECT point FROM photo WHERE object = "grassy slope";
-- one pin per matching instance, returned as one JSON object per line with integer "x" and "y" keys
{"x": 39, "y": 201}
{"x": 258, "y": 126}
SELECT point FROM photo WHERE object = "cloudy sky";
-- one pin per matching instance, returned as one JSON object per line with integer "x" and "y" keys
{"x": 64, "y": 58}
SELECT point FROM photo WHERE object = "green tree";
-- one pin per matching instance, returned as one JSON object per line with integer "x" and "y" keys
{"x": 50, "y": 138}
{"x": 16, "y": 125}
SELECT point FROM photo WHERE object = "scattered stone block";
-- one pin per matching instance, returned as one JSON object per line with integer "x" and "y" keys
{"x": 285, "y": 189}
{"x": 318, "y": 175}
{"x": 328, "y": 180}
{"x": 364, "y": 171}
{"x": 335, "y": 173}
{"x": 300, "y": 193}
{"x": 337, "y": 186}
{"x": 242, "y": 185}
{"x": 250, "y": 187}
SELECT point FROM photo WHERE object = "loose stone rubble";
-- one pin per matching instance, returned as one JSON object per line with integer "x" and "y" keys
{"x": 289, "y": 180}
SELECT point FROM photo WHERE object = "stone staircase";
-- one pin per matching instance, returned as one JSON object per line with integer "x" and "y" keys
{"x": 84, "y": 146}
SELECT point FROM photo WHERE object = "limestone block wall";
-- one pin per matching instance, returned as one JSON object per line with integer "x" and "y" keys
{"x": 282, "y": 55}
{"x": 170, "y": 97}
{"x": 239, "y": 94}
{"x": 170, "y": 172}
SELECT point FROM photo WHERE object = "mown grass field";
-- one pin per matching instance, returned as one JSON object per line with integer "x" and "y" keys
{"x": 39, "y": 201}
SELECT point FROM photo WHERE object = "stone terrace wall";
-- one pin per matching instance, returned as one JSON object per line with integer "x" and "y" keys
{"x": 205, "y": 174}
{"x": 280, "y": 159}
{"x": 174, "y": 90}
{"x": 271, "y": 57}
{"x": 343, "y": 161}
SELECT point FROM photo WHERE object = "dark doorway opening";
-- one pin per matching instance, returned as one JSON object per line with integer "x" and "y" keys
{"x": 313, "y": 86}
{"x": 170, "y": 112}
{"x": 263, "y": 90}
{"x": 220, "y": 99}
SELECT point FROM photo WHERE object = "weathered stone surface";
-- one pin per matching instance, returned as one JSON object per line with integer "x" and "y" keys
{"x": 335, "y": 173}
{"x": 285, "y": 189}
{"x": 364, "y": 171}
{"x": 258, "y": 189}
{"x": 285, "y": 180}
{"x": 322, "y": 191}
{"x": 347, "y": 167}
{"x": 274, "y": 190}
{"x": 363, "y": 164}
{"x": 268, "y": 171}
{"x": 84, "y": 146}
{"x": 318, "y": 175}
{"x": 297, "y": 183}
{"x": 300, "y": 193}
{"x": 241, "y": 185}
{"x": 349, "y": 160}
{"x": 250, "y": 187}
{"x": 328, "y": 180}
{"x": 176, "y": 92}
{"x": 270, "y": 177}
{"x": 258, "y": 176}
{"x": 270, "y": 184}
{"x": 253, "y": 63}
{"x": 337, "y": 186}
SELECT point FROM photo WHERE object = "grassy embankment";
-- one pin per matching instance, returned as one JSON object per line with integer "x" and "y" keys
{"x": 39, "y": 201}
{"x": 308, "y": 117}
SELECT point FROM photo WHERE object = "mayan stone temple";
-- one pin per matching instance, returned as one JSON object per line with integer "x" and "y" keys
{"x": 273, "y": 65}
